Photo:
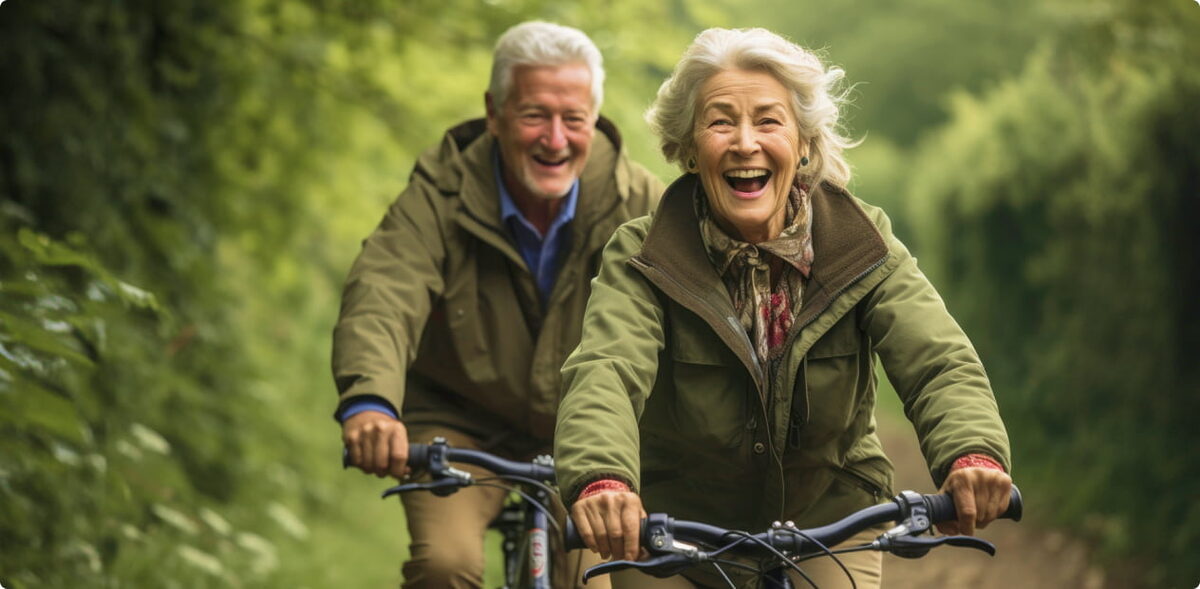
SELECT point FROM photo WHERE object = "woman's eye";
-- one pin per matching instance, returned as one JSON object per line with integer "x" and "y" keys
{"x": 770, "y": 121}
{"x": 720, "y": 122}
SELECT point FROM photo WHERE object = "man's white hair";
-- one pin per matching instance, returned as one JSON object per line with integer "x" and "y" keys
{"x": 538, "y": 43}
{"x": 810, "y": 84}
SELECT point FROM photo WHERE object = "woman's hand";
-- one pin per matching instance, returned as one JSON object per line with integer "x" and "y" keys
{"x": 980, "y": 496}
{"x": 609, "y": 522}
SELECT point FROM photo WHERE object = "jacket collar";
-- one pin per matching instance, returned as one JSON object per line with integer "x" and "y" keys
{"x": 846, "y": 244}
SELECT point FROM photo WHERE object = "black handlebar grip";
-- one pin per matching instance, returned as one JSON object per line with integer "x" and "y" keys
{"x": 941, "y": 507}
{"x": 571, "y": 538}
{"x": 418, "y": 455}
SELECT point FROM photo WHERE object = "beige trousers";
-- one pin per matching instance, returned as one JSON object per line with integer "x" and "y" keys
{"x": 866, "y": 566}
{"x": 446, "y": 533}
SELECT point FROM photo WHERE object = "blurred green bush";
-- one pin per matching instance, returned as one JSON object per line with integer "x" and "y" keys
{"x": 183, "y": 185}
{"x": 1057, "y": 208}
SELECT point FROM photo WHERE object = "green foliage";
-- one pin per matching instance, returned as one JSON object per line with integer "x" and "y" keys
{"x": 92, "y": 467}
{"x": 1058, "y": 208}
{"x": 183, "y": 149}
{"x": 183, "y": 185}
{"x": 226, "y": 159}
{"x": 904, "y": 57}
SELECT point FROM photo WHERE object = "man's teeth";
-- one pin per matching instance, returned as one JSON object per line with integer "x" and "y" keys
{"x": 746, "y": 173}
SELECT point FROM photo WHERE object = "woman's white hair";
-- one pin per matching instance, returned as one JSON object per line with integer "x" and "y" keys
{"x": 815, "y": 100}
{"x": 538, "y": 43}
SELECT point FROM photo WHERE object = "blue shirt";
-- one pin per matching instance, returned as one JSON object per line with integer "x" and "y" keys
{"x": 541, "y": 254}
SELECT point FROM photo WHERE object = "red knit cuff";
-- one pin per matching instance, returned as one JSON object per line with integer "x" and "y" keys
{"x": 976, "y": 461}
{"x": 601, "y": 486}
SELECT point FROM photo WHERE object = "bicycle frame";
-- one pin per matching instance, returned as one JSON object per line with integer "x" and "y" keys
{"x": 526, "y": 543}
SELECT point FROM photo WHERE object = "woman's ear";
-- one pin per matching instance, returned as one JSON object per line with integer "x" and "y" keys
{"x": 688, "y": 158}
{"x": 805, "y": 151}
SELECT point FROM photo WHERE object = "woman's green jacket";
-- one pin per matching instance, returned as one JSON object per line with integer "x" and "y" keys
{"x": 665, "y": 393}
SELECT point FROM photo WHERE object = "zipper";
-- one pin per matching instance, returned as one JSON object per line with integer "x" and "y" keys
{"x": 863, "y": 482}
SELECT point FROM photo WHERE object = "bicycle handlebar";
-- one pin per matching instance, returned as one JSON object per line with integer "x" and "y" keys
{"x": 430, "y": 456}
{"x": 660, "y": 530}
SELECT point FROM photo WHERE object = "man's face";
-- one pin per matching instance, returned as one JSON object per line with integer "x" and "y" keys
{"x": 544, "y": 129}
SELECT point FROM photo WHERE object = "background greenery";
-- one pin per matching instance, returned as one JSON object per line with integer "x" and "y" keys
{"x": 184, "y": 184}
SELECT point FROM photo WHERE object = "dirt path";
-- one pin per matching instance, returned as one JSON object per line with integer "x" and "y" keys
{"x": 1025, "y": 555}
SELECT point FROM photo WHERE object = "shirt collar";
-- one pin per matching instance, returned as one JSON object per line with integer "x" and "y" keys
{"x": 508, "y": 207}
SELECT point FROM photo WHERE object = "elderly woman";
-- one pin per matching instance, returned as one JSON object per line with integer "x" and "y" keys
{"x": 726, "y": 372}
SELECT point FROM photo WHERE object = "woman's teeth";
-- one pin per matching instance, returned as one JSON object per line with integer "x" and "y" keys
{"x": 747, "y": 180}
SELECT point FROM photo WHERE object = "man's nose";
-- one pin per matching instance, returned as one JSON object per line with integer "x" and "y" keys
{"x": 555, "y": 138}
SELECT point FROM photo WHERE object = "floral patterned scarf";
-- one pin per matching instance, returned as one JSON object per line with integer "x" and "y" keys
{"x": 765, "y": 313}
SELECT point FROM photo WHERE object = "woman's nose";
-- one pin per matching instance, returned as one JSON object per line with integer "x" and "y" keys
{"x": 745, "y": 141}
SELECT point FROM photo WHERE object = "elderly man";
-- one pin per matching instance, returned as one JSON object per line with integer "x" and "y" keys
{"x": 467, "y": 298}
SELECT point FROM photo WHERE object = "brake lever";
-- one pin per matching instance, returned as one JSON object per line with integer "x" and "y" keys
{"x": 439, "y": 487}
{"x": 971, "y": 542}
{"x": 916, "y": 547}
{"x": 659, "y": 566}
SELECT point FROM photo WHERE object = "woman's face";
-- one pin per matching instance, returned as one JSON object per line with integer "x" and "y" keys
{"x": 748, "y": 147}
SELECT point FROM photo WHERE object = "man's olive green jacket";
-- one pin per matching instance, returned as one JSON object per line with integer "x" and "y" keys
{"x": 664, "y": 391}
{"x": 440, "y": 315}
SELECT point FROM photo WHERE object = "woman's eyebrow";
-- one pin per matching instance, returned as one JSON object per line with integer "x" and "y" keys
{"x": 768, "y": 106}
{"x": 757, "y": 109}
{"x": 718, "y": 105}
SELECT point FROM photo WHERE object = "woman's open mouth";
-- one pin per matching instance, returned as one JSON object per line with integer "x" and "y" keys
{"x": 747, "y": 183}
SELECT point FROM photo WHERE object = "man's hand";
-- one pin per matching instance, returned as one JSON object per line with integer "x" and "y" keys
{"x": 980, "y": 496}
{"x": 610, "y": 522}
{"x": 377, "y": 442}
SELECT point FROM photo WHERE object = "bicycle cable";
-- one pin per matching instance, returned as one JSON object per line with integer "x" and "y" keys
{"x": 484, "y": 482}
{"x": 723, "y": 575}
{"x": 717, "y": 562}
{"x": 520, "y": 479}
{"x": 780, "y": 555}
{"x": 861, "y": 548}
{"x": 825, "y": 551}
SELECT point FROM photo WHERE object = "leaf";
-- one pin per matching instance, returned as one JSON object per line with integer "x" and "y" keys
{"x": 23, "y": 332}
{"x": 175, "y": 519}
{"x": 49, "y": 252}
{"x": 30, "y": 407}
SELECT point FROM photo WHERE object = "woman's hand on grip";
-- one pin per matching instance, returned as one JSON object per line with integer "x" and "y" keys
{"x": 980, "y": 496}
{"x": 610, "y": 523}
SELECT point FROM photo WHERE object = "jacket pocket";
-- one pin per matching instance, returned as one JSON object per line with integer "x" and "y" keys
{"x": 710, "y": 391}
{"x": 834, "y": 382}
{"x": 464, "y": 321}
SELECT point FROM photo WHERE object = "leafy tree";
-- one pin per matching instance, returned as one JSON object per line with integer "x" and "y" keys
{"x": 1058, "y": 206}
